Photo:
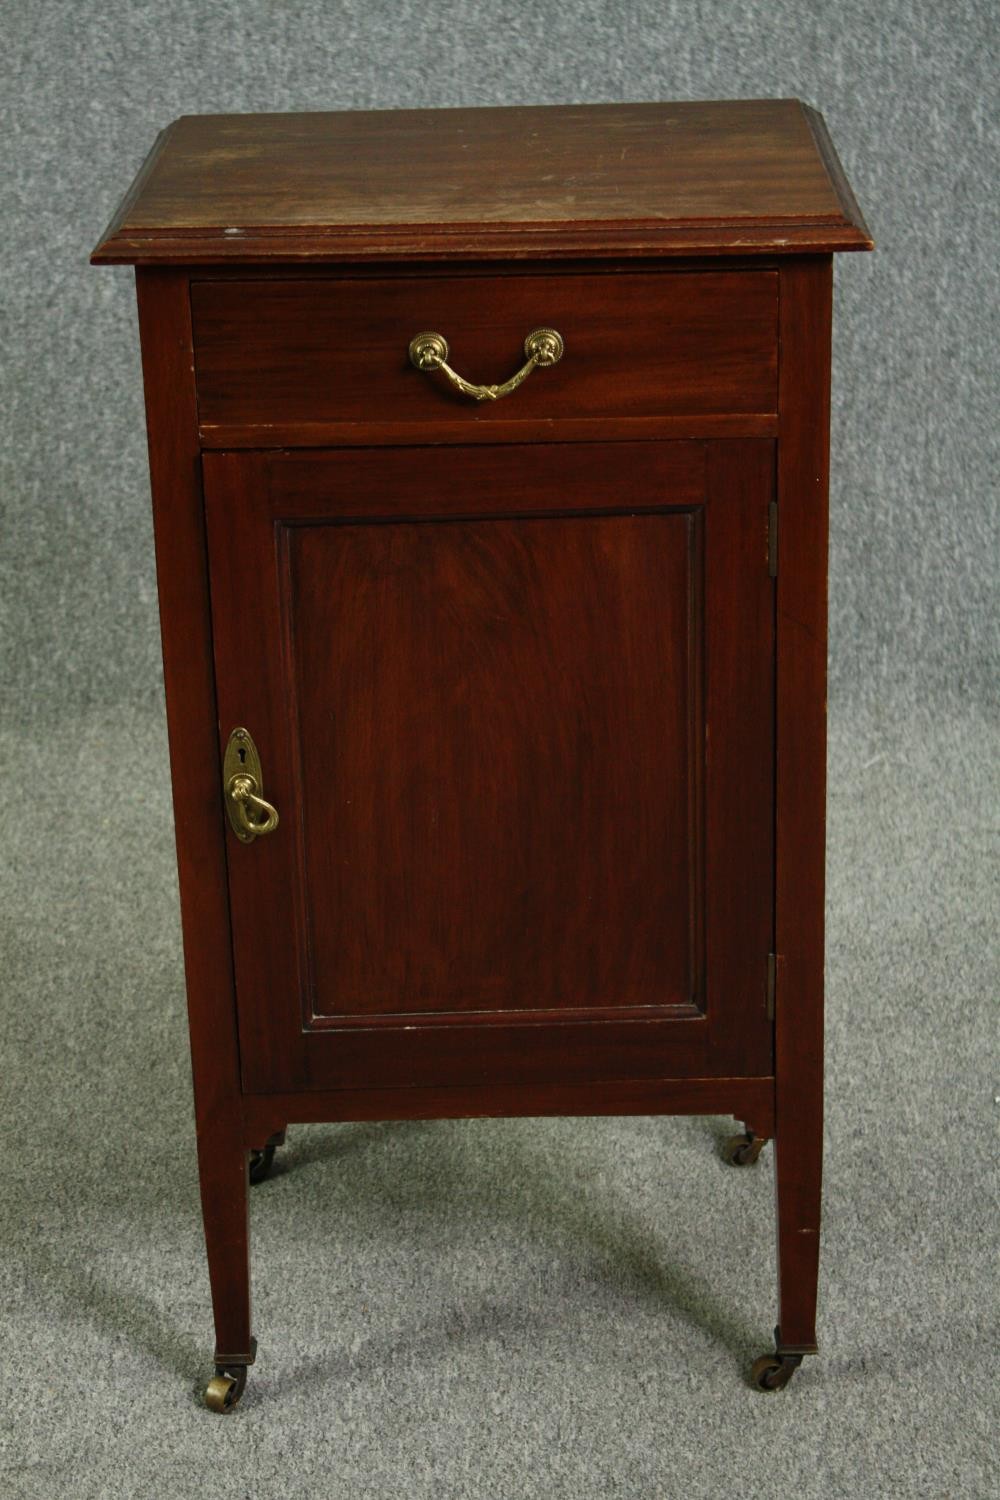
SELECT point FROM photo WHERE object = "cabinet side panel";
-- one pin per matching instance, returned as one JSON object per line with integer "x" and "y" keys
{"x": 185, "y": 626}
{"x": 805, "y": 313}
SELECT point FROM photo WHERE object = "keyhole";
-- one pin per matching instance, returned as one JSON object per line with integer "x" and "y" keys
{"x": 242, "y": 754}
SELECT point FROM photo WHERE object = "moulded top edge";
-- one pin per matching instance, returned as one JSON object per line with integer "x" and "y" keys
{"x": 718, "y": 177}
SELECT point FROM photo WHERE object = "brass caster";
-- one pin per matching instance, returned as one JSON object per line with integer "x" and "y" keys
{"x": 260, "y": 1165}
{"x": 225, "y": 1388}
{"x": 772, "y": 1372}
{"x": 260, "y": 1161}
{"x": 743, "y": 1150}
{"x": 227, "y": 1384}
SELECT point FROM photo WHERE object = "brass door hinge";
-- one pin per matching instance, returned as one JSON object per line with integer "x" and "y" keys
{"x": 772, "y": 975}
{"x": 772, "y": 538}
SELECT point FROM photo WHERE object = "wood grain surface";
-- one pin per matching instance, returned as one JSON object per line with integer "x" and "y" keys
{"x": 477, "y": 678}
{"x": 188, "y": 675}
{"x": 803, "y": 467}
{"x": 546, "y": 734}
{"x": 745, "y": 1098}
{"x": 282, "y": 353}
{"x": 727, "y": 176}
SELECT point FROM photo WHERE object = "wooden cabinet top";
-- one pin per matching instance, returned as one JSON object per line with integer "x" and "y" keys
{"x": 754, "y": 176}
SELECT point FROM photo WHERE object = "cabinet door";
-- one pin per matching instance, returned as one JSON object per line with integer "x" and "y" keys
{"x": 515, "y": 707}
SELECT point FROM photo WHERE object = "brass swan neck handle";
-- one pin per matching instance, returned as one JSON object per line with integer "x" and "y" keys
{"x": 429, "y": 352}
{"x": 250, "y": 814}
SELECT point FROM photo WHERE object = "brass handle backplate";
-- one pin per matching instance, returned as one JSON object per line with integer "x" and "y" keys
{"x": 429, "y": 351}
{"x": 249, "y": 814}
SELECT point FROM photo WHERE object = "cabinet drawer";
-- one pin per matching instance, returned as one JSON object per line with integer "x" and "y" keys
{"x": 303, "y": 358}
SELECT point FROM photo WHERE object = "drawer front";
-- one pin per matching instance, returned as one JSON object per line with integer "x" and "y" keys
{"x": 290, "y": 355}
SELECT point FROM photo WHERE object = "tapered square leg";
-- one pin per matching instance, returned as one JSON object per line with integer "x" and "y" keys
{"x": 800, "y": 791}
{"x": 225, "y": 1182}
{"x": 798, "y": 1150}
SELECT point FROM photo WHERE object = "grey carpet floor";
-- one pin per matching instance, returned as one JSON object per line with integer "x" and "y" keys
{"x": 501, "y": 1309}
{"x": 509, "y": 1308}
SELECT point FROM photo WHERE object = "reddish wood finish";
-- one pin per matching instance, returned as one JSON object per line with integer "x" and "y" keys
{"x": 746, "y": 1098}
{"x": 803, "y": 462}
{"x": 311, "y": 352}
{"x": 547, "y": 739}
{"x": 486, "y": 726}
{"x": 493, "y": 720}
{"x": 700, "y": 177}
{"x": 500, "y": 430}
{"x": 186, "y": 633}
{"x": 462, "y": 425}
{"x": 739, "y": 749}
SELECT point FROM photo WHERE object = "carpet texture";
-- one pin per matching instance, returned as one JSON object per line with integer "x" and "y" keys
{"x": 563, "y": 1308}
{"x": 509, "y": 1308}
{"x": 908, "y": 93}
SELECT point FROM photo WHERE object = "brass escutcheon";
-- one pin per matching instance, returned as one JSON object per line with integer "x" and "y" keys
{"x": 250, "y": 815}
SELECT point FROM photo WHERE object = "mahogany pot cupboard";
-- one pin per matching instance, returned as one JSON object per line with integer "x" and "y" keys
{"x": 489, "y": 471}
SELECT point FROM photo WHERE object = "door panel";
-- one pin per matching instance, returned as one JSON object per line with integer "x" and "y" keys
{"x": 479, "y": 833}
{"x": 514, "y": 706}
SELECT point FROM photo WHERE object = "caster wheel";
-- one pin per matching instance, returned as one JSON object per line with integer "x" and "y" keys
{"x": 772, "y": 1372}
{"x": 260, "y": 1161}
{"x": 743, "y": 1150}
{"x": 225, "y": 1388}
{"x": 260, "y": 1165}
